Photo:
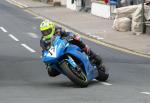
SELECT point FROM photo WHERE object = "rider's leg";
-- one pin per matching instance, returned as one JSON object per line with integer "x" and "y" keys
{"x": 94, "y": 57}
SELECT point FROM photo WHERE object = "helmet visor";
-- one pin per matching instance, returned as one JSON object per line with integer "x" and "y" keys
{"x": 46, "y": 32}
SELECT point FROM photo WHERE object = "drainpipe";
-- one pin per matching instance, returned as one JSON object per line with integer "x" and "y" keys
{"x": 142, "y": 18}
{"x": 118, "y": 3}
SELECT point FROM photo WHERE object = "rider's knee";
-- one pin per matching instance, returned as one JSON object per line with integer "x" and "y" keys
{"x": 53, "y": 73}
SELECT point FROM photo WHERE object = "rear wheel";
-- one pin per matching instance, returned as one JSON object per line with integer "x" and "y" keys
{"x": 76, "y": 75}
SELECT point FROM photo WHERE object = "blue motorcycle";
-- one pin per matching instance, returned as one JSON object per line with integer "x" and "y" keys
{"x": 70, "y": 60}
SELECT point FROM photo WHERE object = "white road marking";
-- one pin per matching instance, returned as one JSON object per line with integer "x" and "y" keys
{"x": 104, "y": 83}
{"x": 33, "y": 35}
{"x": 67, "y": 30}
{"x": 96, "y": 36}
{"x": 28, "y": 48}
{"x": 13, "y": 37}
{"x": 39, "y": 17}
{"x": 3, "y": 29}
{"x": 17, "y": 3}
{"x": 12, "y": 2}
{"x": 147, "y": 93}
{"x": 100, "y": 38}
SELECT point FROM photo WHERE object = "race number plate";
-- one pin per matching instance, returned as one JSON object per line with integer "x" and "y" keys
{"x": 52, "y": 52}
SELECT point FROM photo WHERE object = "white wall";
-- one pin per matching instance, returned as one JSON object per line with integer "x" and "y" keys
{"x": 70, "y": 5}
{"x": 63, "y": 2}
{"x": 75, "y": 6}
{"x": 101, "y": 10}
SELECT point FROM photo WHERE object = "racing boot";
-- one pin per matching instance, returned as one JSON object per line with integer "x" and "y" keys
{"x": 51, "y": 72}
{"x": 102, "y": 70}
{"x": 97, "y": 60}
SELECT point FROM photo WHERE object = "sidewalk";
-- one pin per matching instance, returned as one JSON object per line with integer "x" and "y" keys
{"x": 88, "y": 24}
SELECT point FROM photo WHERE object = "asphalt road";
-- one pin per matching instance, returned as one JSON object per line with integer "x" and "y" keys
{"x": 23, "y": 78}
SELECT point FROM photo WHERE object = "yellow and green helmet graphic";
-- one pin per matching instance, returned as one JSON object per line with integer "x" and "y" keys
{"x": 47, "y": 25}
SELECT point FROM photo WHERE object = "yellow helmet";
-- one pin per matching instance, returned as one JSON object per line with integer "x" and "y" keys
{"x": 47, "y": 29}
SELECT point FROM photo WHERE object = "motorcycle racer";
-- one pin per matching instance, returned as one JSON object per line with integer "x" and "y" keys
{"x": 49, "y": 30}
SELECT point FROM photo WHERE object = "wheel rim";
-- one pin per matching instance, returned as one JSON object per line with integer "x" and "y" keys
{"x": 79, "y": 74}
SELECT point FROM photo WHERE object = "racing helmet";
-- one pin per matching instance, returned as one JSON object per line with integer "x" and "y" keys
{"x": 47, "y": 29}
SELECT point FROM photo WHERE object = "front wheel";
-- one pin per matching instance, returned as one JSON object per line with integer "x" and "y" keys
{"x": 78, "y": 77}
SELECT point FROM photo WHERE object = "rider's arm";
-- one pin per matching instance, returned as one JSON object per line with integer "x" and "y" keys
{"x": 76, "y": 40}
{"x": 44, "y": 44}
{"x": 60, "y": 31}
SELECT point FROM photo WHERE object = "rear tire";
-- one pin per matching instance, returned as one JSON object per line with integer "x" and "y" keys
{"x": 80, "y": 81}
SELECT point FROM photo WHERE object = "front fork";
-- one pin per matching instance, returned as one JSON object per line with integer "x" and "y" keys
{"x": 75, "y": 66}
{"x": 72, "y": 62}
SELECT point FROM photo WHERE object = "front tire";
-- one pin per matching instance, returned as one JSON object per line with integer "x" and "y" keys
{"x": 78, "y": 79}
